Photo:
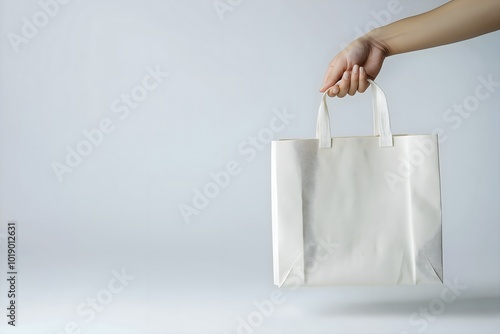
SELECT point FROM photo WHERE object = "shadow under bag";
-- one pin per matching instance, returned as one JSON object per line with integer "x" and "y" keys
{"x": 356, "y": 210}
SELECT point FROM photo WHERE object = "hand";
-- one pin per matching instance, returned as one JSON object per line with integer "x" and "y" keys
{"x": 349, "y": 71}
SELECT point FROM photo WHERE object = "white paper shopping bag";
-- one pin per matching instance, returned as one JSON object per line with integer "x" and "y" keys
{"x": 356, "y": 210}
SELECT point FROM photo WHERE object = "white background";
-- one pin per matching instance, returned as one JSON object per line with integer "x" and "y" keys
{"x": 119, "y": 209}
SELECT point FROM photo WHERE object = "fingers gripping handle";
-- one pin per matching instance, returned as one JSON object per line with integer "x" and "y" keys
{"x": 381, "y": 121}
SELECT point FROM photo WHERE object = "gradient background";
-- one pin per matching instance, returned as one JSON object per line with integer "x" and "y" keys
{"x": 120, "y": 207}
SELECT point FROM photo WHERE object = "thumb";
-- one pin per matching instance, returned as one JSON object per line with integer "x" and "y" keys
{"x": 333, "y": 75}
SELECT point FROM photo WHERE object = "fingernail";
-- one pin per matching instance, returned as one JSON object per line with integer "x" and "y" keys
{"x": 355, "y": 69}
{"x": 335, "y": 90}
{"x": 362, "y": 70}
{"x": 346, "y": 75}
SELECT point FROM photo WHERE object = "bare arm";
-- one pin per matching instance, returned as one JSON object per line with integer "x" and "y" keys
{"x": 455, "y": 21}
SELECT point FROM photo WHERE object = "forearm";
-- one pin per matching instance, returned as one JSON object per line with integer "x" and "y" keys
{"x": 455, "y": 21}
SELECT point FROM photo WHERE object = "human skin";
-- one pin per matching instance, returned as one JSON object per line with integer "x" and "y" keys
{"x": 452, "y": 22}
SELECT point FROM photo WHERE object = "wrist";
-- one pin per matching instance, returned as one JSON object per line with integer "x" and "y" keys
{"x": 377, "y": 38}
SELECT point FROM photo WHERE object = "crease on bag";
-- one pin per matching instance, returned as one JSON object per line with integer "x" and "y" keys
{"x": 400, "y": 276}
{"x": 410, "y": 222}
{"x": 308, "y": 162}
{"x": 432, "y": 267}
{"x": 297, "y": 258}
{"x": 428, "y": 250}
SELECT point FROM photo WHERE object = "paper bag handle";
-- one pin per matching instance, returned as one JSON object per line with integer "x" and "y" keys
{"x": 381, "y": 121}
